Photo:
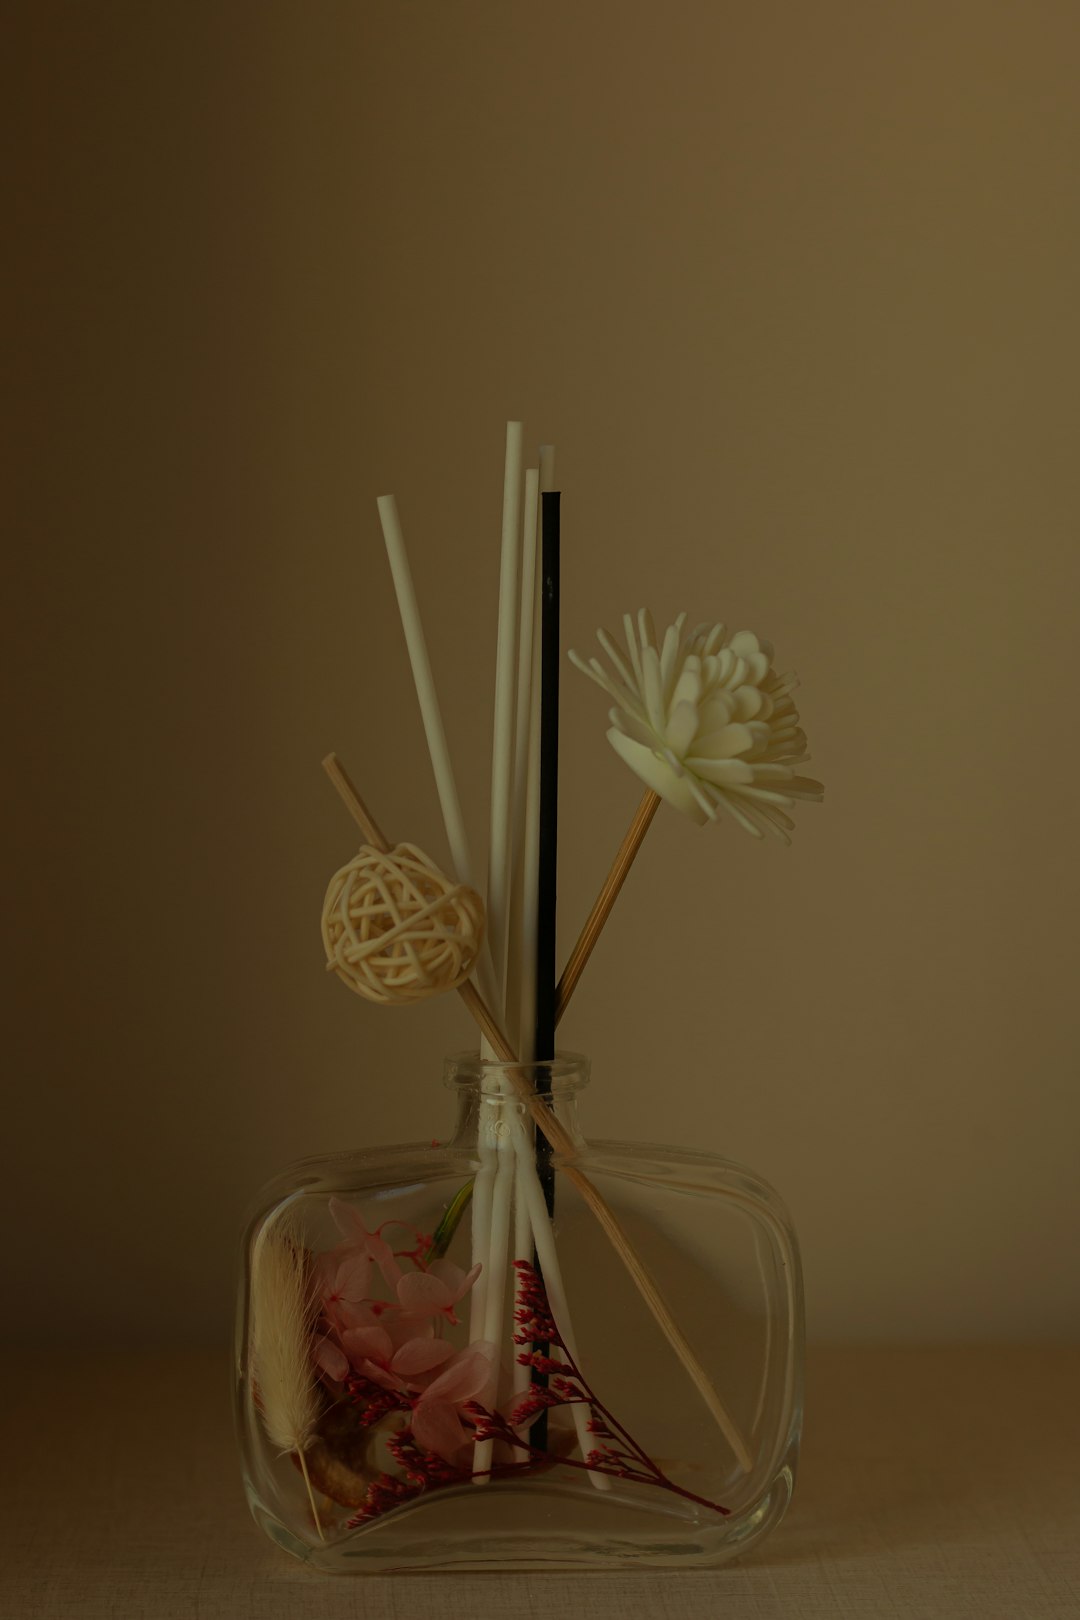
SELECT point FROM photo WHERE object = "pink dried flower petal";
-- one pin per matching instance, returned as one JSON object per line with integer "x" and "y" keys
{"x": 384, "y": 1257}
{"x": 465, "y": 1375}
{"x": 422, "y": 1293}
{"x": 350, "y": 1224}
{"x": 353, "y": 1280}
{"x": 331, "y": 1359}
{"x": 347, "y": 1315}
{"x": 370, "y": 1342}
{"x": 347, "y": 1220}
{"x": 420, "y": 1356}
{"x": 381, "y": 1375}
{"x": 457, "y": 1281}
{"x": 438, "y": 1428}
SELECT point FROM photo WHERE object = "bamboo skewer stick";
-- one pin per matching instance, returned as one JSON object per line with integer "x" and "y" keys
{"x": 605, "y": 900}
{"x": 563, "y": 1144}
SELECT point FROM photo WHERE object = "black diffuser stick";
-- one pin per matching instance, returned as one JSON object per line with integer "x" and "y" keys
{"x": 546, "y": 967}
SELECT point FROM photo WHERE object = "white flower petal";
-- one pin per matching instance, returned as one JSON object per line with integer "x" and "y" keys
{"x": 768, "y": 795}
{"x": 725, "y": 744}
{"x": 739, "y": 815}
{"x": 714, "y": 714}
{"x": 706, "y": 797}
{"x": 682, "y": 727}
{"x": 647, "y": 630}
{"x": 769, "y": 772}
{"x": 711, "y": 639}
{"x": 658, "y": 775}
{"x": 669, "y": 655}
{"x": 632, "y": 648}
{"x": 722, "y": 772}
{"x": 804, "y": 787}
{"x": 610, "y": 647}
{"x": 653, "y": 689}
{"x": 744, "y": 643}
{"x": 688, "y": 686}
{"x": 594, "y": 670}
{"x": 748, "y": 702}
{"x": 633, "y": 727}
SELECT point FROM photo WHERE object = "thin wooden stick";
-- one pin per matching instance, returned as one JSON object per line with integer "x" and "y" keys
{"x": 607, "y": 897}
{"x": 563, "y": 1143}
{"x": 354, "y": 804}
{"x": 311, "y": 1494}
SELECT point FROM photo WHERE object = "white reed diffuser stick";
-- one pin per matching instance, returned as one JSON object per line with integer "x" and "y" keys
{"x": 502, "y": 747}
{"x": 548, "y": 1256}
{"x": 520, "y": 1038}
{"x": 430, "y": 713}
{"x": 491, "y": 1218}
{"x": 456, "y": 837}
{"x": 530, "y": 858}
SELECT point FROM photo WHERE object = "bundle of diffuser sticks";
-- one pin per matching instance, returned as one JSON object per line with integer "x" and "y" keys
{"x": 707, "y": 723}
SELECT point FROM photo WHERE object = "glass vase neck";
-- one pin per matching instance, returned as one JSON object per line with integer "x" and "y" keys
{"x": 489, "y": 1092}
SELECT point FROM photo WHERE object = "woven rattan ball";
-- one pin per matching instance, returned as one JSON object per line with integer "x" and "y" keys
{"x": 395, "y": 928}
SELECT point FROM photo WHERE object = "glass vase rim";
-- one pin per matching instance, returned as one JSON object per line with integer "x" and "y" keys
{"x": 564, "y": 1074}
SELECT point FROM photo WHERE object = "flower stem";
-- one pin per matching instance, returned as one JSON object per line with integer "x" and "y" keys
{"x": 657, "y": 1478}
{"x": 310, "y": 1492}
{"x": 607, "y": 897}
{"x": 444, "y": 1232}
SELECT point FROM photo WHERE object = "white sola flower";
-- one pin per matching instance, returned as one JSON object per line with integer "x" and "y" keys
{"x": 705, "y": 721}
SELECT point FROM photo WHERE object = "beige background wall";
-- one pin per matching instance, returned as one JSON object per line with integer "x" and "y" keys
{"x": 794, "y": 290}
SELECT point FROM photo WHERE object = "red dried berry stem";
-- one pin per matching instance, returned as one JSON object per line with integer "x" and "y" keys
{"x": 533, "y": 1300}
{"x": 503, "y": 1431}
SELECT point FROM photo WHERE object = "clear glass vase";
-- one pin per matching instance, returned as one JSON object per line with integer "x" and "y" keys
{"x": 620, "y": 1384}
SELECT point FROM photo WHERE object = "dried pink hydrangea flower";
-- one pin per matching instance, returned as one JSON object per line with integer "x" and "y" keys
{"x": 386, "y": 1351}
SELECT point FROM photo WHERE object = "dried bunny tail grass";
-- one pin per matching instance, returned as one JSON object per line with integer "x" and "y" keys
{"x": 284, "y": 1308}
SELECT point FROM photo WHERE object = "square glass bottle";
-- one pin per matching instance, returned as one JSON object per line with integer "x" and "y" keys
{"x": 399, "y": 1409}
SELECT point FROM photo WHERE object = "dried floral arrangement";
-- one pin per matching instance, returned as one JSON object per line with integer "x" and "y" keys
{"x": 384, "y": 1368}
